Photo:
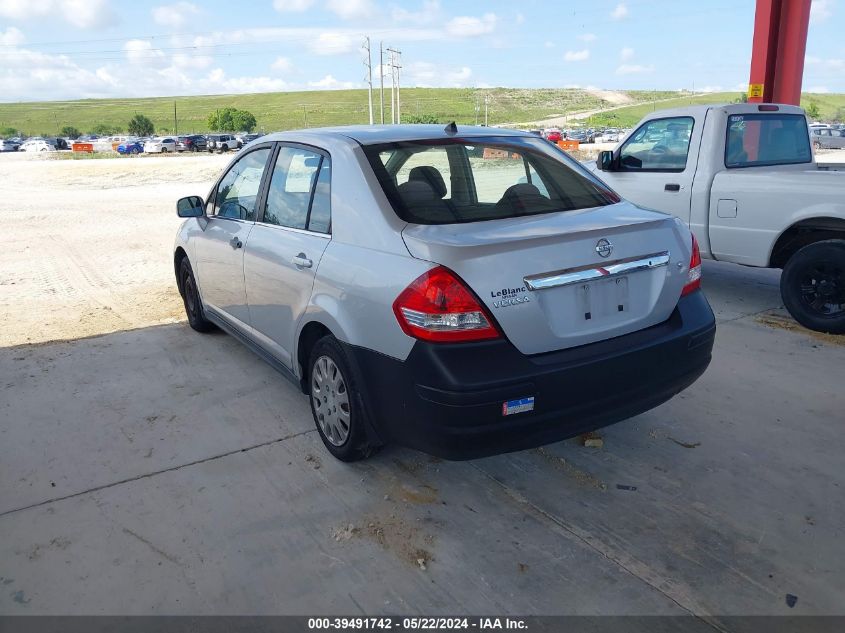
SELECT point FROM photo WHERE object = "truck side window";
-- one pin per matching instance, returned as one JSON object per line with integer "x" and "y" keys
{"x": 766, "y": 139}
{"x": 658, "y": 145}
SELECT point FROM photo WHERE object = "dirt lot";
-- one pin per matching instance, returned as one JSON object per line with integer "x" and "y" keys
{"x": 154, "y": 470}
{"x": 86, "y": 244}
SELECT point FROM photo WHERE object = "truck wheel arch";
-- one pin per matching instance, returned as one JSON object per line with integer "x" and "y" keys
{"x": 803, "y": 233}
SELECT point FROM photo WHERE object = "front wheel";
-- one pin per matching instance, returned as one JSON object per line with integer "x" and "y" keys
{"x": 813, "y": 286}
{"x": 191, "y": 297}
{"x": 336, "y": 402}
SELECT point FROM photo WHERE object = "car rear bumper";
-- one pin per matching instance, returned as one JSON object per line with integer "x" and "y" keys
{"x": 447, "y": 400}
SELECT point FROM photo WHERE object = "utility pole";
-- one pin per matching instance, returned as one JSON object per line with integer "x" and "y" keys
{"x": 393, "y": 56}
{"x": 486, "y": 103}
{"x": 477, "y": 109}
{"x": 175, "y": 124}
{"x": 381, "y": 77}
{"x": 369, "y": 65}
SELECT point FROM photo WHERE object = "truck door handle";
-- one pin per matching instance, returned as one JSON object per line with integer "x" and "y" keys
{"x": 301, "y": 261}
{"x": 672, "y": 187}
{"x": 235, "y": 242}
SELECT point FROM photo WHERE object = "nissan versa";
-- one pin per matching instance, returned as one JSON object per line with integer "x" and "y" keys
{"x": 462, "y": 291}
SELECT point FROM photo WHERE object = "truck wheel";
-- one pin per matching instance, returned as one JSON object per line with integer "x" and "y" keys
{"x": 336, "y": 402}
{"x": 813, "y": 286}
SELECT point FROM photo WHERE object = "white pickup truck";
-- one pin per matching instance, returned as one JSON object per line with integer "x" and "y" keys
{"x": 744, "y": 178}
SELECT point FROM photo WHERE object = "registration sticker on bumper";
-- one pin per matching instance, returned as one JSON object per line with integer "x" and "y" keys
{"x": 518, "y": 406}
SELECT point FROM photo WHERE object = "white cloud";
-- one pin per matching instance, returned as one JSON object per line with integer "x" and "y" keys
{"x": 826, "y": 64}
{"x": 84, "y": 14}
{"x": 25, "y": 9}
{"x": 142, "y": 53}
{"x": 716, "y": 88}
{"x": 174, "y": 15}
{"x": 626, "y": 54}
{"x": 820, "y": 11}
{"x": 428, "y": 75}
{"x": 620, "y": 12}
{"x": 11, "y": 37}
{"x": 351, "y": 9}
{"x": 334, "y": 43}
{"x": 282, "y": 65}
{"x": 330, "y": 83}
{"x": 818, "y": 89}
{"x": 292, "y": 6}
{"x": 469, "y": 26}
{"x": 197, "y": 62}
{"x": 634, "y": 69}
{"x": 576, "y": 56}
{"x": 429, "y": 12}
{"x": 549, "y": 44}
{"x": 588, "y": 37}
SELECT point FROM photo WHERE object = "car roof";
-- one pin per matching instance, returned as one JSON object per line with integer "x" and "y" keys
{"x": 375, "y": 134}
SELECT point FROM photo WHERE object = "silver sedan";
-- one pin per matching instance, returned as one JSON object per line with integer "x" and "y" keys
{"x": 463, "y": 291}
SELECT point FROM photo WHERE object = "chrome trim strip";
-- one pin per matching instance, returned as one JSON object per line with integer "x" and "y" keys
{"x": 592, "y": 272}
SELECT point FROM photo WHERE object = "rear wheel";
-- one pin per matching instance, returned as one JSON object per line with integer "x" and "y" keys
{"x": 336, "y": 403}
{"x": 191, "y": 297}
{"x": 817, "y": 145}
{"x": 163, "y": 150}
{"x": 134, "y": 150}
{"x": 813, "y": 286}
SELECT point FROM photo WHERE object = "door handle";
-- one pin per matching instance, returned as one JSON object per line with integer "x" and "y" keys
{"x": 235, "y": 242}
{"x": 672, "y": 187}
{"x": 301, "y": 261}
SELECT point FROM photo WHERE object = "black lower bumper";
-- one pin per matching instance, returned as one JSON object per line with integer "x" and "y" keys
{"x": 447, "y": 399}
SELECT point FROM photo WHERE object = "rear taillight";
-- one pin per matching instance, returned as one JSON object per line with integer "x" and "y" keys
{"x": 439, "y": 307}
{"x": 694, "y": 274}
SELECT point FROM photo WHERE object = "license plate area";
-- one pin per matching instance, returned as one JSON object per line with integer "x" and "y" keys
{"x": 603, "y": 300}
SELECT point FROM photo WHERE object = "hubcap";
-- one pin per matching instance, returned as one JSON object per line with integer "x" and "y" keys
{"x": 823, "y": 289}
{"x": 331, "y": 400}
{"x": 190, "y": 295}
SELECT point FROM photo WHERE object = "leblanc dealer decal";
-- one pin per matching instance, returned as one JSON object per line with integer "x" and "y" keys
{"x": 509, "y": 297}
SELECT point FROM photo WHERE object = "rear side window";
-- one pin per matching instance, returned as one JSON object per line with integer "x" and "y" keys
{"x": 455, "y": 180}
{"x": 766, "y": 139}
{"x": 299, "y": 195}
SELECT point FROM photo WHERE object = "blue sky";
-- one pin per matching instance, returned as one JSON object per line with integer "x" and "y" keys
{"x": 68, "y": 49}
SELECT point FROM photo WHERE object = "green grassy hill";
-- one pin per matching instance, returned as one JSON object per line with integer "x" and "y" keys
{"x": 287, "y": 110}
{"x": 831, "y": 106}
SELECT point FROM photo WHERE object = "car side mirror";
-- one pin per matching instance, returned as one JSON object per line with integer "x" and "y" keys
{"x": 604, "y": 161}
{"x": 190, "y": 207}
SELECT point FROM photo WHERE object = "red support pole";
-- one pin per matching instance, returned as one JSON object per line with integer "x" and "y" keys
{"x": 777, "y": 57}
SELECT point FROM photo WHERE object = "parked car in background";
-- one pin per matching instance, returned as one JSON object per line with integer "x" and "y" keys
{"x": 191, "y": 143}
{"x": 552, "y": 135}
{"x": 132, "y": 147}
{"x": 245, "y": 139}
{"x": 221, "y": 142}
{"x": 37, "y": 145}
{"x": 577, "y": 135}
{"x": 610, "y": 135}
{"x": 828, "y": 138}
{"x": 160, "y": 145}
{"x": 8, "y": 145}
{"x": 462, "y": 316}
{"x": 744, "y": 179}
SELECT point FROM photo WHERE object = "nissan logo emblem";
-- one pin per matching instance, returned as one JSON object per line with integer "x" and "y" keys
{"x": 604, "y": 248}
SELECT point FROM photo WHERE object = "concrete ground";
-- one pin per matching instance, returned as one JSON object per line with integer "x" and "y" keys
{"x": 161, "y": 471}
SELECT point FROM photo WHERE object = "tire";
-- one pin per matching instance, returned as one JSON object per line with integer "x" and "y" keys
{"x": 134, "y": 150}
{"x": 336, "y": 402}
{"x": 817, "y": 145}
{"x": 813, "y": 286}
{"x": 163, "y": 150}
{"x": 191, "y": 298}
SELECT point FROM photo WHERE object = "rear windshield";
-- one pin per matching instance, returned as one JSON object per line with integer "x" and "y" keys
{"x": 447, "y": 181}
{"x": 766, "y": 139}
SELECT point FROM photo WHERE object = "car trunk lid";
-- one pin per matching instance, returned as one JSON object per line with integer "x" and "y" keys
{"x": 545, "y": 282}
